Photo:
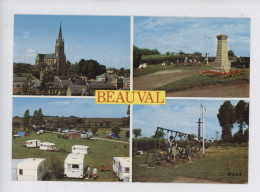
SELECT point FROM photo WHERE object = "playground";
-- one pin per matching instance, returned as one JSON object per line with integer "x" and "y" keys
{"x": 221, "y": 164}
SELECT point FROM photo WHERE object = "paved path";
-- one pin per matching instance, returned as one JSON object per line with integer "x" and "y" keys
{"x": 160, "y": 78}
{"x": 240, "y": 89}
{"x": 112, "y": 140}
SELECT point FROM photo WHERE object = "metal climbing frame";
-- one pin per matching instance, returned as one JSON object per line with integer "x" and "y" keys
{"x": 182, "y": 136}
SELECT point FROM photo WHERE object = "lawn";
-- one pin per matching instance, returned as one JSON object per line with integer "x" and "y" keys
{"x": 155, "y": 68}
{"x": 101, "y": 152}
{"x": 216, "y": 166}
{"x": 198, "y": 80}
{"x": 101, "y": 133}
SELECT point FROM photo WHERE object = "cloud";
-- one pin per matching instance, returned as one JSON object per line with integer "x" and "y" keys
{"x": 26, "y": 35}
{"x": 30, "y": 51}
{"x": 190, "y": 34}
{"x": 178, "y": 115}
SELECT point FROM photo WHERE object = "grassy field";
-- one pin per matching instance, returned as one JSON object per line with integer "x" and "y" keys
{"x": 215, "y": 166}
{"x": 103, "y": 131}
{"x": 102, "y": 152}
{"x": 155, "y": 68}
{"x": 198, "y": 80}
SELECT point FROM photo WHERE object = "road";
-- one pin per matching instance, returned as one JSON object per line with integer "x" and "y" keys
{"x": 160, "y": 78}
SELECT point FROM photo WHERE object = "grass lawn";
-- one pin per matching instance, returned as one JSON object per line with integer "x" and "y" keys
{"x": 155, "y": 68}
{"x": 215, "y": 167}
{"x": 102, "y": 153}
{"x": 101, "y": 133}
{"x": 197, "y": 80}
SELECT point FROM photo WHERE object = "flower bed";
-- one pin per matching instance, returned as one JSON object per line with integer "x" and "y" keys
{"x": 218, "y": 74}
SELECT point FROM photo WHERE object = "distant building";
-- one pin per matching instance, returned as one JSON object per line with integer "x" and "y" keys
{"x": 57, "y": 60}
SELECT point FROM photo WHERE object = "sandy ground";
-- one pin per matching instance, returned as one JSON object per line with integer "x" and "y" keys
{"x": 240, "y": 89}
{"x": 160, "y": 78}
{"x": 181, "y": 179}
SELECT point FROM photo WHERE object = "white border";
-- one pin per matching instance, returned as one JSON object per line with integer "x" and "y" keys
{"x": 194, "y": 8}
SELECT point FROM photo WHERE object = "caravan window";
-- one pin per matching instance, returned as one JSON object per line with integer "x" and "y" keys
{"x": 20, "y": 172}
{"x": 75, "y": 166}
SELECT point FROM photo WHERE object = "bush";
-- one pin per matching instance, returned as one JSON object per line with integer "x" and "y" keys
{"x": 56, "y": 166}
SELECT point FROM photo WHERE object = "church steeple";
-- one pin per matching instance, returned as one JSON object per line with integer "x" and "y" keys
{"x": 60, "y": 34}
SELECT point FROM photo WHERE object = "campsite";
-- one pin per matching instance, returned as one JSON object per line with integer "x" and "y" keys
{"x": 101, "y": 153}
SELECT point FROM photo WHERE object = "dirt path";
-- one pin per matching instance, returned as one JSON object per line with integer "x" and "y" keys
{"x": 160, "y": 78}
{"x": 112, "y": 140}
{"x": 181, "y": 179}
{"x": 240, "y": 89}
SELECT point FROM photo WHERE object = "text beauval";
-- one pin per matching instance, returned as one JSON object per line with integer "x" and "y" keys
{"x": 130, "y": 97}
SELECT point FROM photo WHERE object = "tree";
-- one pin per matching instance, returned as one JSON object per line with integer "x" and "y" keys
{"x": 159, "y": 135}
{"x": 198, "y": 54}
{"x": 47, "y": 79}
{"x": 137, "y": 133}
{"x": 37, "y": 118}
{"x": 94, "y": 130}
{"x": 137, "y": 54}
{"x": 226, "y": 117}
{"x": 241, "y": 114}
{"x": 116, "y": 130}
{"x": 56, "y": 166}
{"x": 167, "y": 56}
{"x": 127, "y": 134}
{"x": 231, "y": 53}
{"x": 26, "y": 119}
{"x": 27, "y": 88}
{"x": 181, "y": 53}
{"x": 121, "y": 71}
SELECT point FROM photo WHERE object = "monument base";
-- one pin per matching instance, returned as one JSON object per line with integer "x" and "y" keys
{"x": 222, "y": 65}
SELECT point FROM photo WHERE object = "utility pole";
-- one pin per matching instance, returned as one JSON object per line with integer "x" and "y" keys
{"x": 217, "y": 135}
{"x": 203, "y": 111}
{"x": 199, "y": 123}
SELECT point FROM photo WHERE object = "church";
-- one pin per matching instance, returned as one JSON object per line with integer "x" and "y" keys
{"x": 57, "y": 60}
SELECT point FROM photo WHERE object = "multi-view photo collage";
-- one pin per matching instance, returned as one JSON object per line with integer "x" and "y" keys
{"x": 199, "y": 135}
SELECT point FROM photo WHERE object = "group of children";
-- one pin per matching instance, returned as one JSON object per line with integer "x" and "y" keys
{"x": 171, "y": 149}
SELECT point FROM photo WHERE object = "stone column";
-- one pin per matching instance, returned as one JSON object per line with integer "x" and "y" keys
{"x": 222, "y": 62}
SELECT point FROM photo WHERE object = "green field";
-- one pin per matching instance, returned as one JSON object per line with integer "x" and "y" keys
{"x": 215, "y": 166}
{"x": 198, "y": 80}
{"x": 101, "y": 153}
{"x": 155, "y": 68}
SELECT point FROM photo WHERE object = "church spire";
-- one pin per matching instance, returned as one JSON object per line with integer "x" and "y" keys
{"x": 60, "y": 34}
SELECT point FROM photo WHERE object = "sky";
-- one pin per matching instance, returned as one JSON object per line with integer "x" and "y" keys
{"x": 191, "y": 34}
{"x": 79, "y": 107}
{"x": 102, "y": 38}
{"x": 179, "y": 115}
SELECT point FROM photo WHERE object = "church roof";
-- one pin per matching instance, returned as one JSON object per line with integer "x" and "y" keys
{"x": 50, "y": 55}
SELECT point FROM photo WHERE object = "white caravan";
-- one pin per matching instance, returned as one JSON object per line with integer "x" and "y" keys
{"x": 121, "y": 167}
{"x": 33, "y": 143}
{"x": 80, "y": 149}
{"x": 31, "y": 169}
{"x": 74, "y": 166}
{"x": 47, "y": 146}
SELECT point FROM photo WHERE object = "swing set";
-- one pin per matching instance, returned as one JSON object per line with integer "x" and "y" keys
{"x": 173, "y": 136}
